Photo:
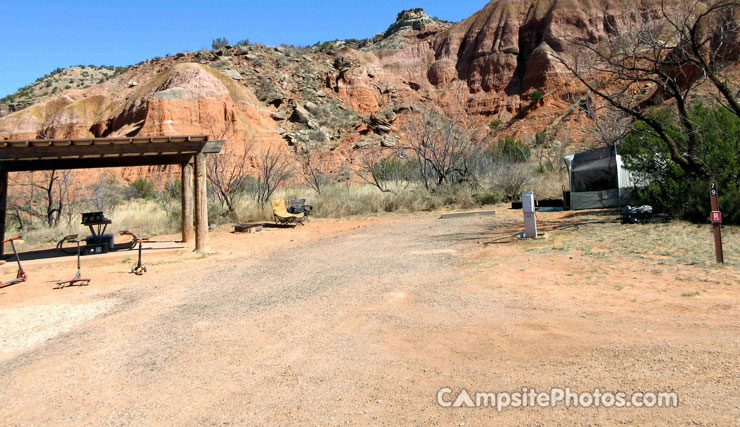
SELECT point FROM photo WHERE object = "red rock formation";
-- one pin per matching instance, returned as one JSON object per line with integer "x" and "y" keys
{"x": 314, "y": 97}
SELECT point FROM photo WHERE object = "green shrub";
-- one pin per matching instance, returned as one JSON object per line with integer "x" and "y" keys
{"x": 142, "y": 188}
{"x": 219, "y": 42}
{"x": 666, "y": 186}
{"x": 393, "y": 169}
{"x": 106, "y": 194}
{"x": 487, "y": 198}
{"x": 509, "y": 150}
{"x": 536, "y": 95}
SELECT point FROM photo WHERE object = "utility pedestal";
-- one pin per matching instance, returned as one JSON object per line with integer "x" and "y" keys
{"x": 530, "y": 217}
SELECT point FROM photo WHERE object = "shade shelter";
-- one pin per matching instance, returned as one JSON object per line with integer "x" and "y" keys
{"x": 59, "y": 154}
{"x": 598, "y": 179}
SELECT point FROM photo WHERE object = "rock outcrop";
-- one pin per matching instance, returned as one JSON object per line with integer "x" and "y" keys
{"x": 411, "y": 19}
{"x": 336, "y": 97}
{"x": 185, "y": 99}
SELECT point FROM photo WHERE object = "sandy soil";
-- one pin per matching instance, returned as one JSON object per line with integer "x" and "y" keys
{"x": 362, "y": 321}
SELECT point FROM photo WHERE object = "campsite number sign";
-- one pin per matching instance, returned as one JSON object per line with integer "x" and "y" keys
{"x": 716, "y": 217}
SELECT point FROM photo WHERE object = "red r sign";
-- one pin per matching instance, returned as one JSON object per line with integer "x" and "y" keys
{"x": 716, "y": 217}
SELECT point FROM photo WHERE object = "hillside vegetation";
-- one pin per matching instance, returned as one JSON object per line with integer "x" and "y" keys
{"x": 59, "y": 80}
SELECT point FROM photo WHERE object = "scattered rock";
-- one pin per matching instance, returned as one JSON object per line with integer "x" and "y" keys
{"x": 276, "y": 115}
{"x": 312, "y": 108}
{"x": 342, "y": 63}
{"x": 233, "y": 74}
{"x": 370, "y": 141}
{"x": 383, "y": 129}
{"x": 389, "y": 141}
{"x": 379, "y": 120}
{"x": 300, "y": 115}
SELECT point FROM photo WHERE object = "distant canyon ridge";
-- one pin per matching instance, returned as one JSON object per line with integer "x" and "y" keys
{"x": 338, "y": 98}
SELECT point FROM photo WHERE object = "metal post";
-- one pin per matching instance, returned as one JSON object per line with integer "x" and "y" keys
{"x": 530, "y": 216}
{"x": 201, "y": 204}
{"x": 3, "y": 208}
{"x": 716, "y": 223}
{"x": 187, "y": 202}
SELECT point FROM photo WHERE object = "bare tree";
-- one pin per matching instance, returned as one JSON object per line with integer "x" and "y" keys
{"x": 666, "y": 54}
{"x": 228, "y": 172}
{"x": 44, "y": 196}
{"x": 105, "y": 194}
{"x": 610, "y": 126}
{"x": 315, "y": 171}
{"x": 444, "y": 149}
{"x": 389, "y": 174}
{"x": 274, "y": 170}
{"x": 512, "y": 178}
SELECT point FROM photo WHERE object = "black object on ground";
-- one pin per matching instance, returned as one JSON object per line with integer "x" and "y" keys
{"x": 550, "y": 203}
{"x": 542, "y": 203}
{"x": 637, "y": 215}
{"x": 300, "y": 207}
{"x": 98, "y": 242}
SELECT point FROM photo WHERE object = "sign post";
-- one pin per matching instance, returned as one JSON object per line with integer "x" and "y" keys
{"x": 717, "y": 223}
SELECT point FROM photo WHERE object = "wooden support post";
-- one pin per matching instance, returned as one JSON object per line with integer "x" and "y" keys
{"x": 716, "y": 223}
{"x": 3, "y": 207}
{"x": 201, "y": 204}
{"x": 187, "y": 202}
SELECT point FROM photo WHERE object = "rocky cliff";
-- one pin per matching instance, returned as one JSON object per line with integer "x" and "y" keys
{"x": 340, "y": 97}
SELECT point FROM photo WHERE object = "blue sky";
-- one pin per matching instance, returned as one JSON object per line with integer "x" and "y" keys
{"x": 38, "y": 36}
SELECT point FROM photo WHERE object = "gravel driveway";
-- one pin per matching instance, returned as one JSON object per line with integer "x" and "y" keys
{"x": 360, "y": 327}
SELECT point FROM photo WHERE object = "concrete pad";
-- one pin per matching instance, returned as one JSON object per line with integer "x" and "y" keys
{"x": 457, "y": 215}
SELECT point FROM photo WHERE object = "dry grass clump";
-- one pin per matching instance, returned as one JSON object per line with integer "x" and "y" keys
{"x": 345, "y": 200}
{"x": 674, "y": 243}
{"x": 147, "y": 210}
{"x": 147, "y": 218}
{"x": 549, "y": 184}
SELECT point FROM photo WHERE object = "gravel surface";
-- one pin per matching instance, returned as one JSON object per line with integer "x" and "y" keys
{"x": 21, "y": 328}
{"x": 364, "y": 327}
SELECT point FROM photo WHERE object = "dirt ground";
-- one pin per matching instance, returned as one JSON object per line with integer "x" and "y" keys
{"x": 362, "y": 321}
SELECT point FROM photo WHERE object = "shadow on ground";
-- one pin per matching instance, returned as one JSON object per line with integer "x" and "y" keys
{"x": 507, "y": 231}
